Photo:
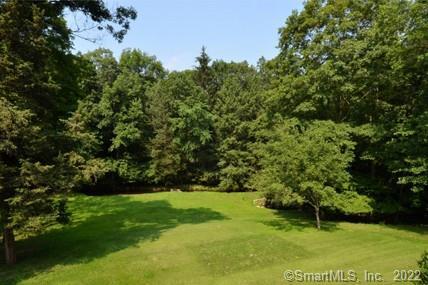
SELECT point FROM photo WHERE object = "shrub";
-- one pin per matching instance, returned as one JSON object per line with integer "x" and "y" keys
{"x": 423, "y": 266}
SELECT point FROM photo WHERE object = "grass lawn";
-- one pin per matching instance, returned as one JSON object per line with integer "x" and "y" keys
{"x": 203, "y": 238}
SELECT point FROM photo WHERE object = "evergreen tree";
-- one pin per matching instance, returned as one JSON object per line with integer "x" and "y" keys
{"x": 39, "y": 86}
{"x": 203, "y": 74}
{"x": 237, "y": 107}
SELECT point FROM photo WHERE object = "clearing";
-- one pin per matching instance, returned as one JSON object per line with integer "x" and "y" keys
{"x": 203, "y": 238}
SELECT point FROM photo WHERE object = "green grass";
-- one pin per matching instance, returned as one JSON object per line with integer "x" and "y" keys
{"x": 202, "y": 238}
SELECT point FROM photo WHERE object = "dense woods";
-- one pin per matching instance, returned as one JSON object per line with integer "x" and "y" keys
{"x": 337, "y": 122}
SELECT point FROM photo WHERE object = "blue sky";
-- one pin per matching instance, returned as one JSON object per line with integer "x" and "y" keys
{"x": 175, "y": 30}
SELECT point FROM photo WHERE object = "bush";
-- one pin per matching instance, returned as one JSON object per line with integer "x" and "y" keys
{"x": 423, "y": 266}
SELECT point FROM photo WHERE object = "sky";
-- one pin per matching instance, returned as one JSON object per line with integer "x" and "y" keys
{"x": 175, "y": 30}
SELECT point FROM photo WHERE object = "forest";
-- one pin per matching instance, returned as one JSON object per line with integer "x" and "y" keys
{"x": 336, "y": 124}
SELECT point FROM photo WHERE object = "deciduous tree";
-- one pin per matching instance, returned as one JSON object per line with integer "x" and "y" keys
{"x": 307, "y": 163}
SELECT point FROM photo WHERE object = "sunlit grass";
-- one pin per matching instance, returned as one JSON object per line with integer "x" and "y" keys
{"x": 203, "y": 238}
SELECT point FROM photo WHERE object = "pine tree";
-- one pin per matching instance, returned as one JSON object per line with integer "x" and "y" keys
{"x": 38, "y": 87}
{"x": 203, "y": 74}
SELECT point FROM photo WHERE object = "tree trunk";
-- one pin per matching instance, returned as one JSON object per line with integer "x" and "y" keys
{"x": 317, "y": 216}
{"x": 372, "y": 169}
{"x": 9, "y": 246}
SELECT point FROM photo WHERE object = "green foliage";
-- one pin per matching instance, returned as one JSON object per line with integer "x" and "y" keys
{"x": 146, "y": 66}
{"x": 363, "y": 63}
{"x": 308, "y": 163}
{"x": 423, "y": 267}
{"x": 110, "y": 127}
{"x": 40, "y": 83}
{"x": 203, "y": 73}
{"x": 238, "y": 104}
{"x": 181, "y": 125}
{"x": 102, "y": 68}
{"x": 407, "y": 153}
{"x": 31, "y": 192}
{"x": 30, "y": 64}
{"x": 346, "y": 61}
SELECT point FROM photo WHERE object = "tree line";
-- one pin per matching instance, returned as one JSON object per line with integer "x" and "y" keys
{"x": 336, "y": 122}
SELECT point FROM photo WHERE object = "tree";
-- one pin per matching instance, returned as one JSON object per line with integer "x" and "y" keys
{"x": 238, "y": 105}
{"x": 38, "y": 87}
{"x": 181, "y": 126}
{"x": 110, "y": 128}
{"x": 32, "y": 192}
{"x": 147, "y": 67}
{"x": 203, "y": 70}
{"x": 406, "y": 156}
{"x": 360, "y": 62}
{"x": 104, "y": 68}
{"x": 307, "y": 163}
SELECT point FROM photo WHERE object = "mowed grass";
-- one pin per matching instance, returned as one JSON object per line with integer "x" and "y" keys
{"x": 203, "y": 238}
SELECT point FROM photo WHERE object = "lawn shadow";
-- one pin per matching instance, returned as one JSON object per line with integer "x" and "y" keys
{"x": 417, "y": 229}
{"x": 288, "y": 220}
{"x": 109, "y": 224}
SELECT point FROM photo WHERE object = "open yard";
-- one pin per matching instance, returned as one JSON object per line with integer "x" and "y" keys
{"x": 203, "y": 238}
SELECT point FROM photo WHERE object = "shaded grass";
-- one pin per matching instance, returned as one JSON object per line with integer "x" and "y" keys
{"x": 104, "y": 225}
{"x": 203, "y": 238}
{"x": 296, "y": 220}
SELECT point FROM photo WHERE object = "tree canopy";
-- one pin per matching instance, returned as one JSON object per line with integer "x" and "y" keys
{"x": 40, "y": 84}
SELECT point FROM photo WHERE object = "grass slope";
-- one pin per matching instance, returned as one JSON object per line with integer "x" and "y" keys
{"x": 202, "y": 238}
